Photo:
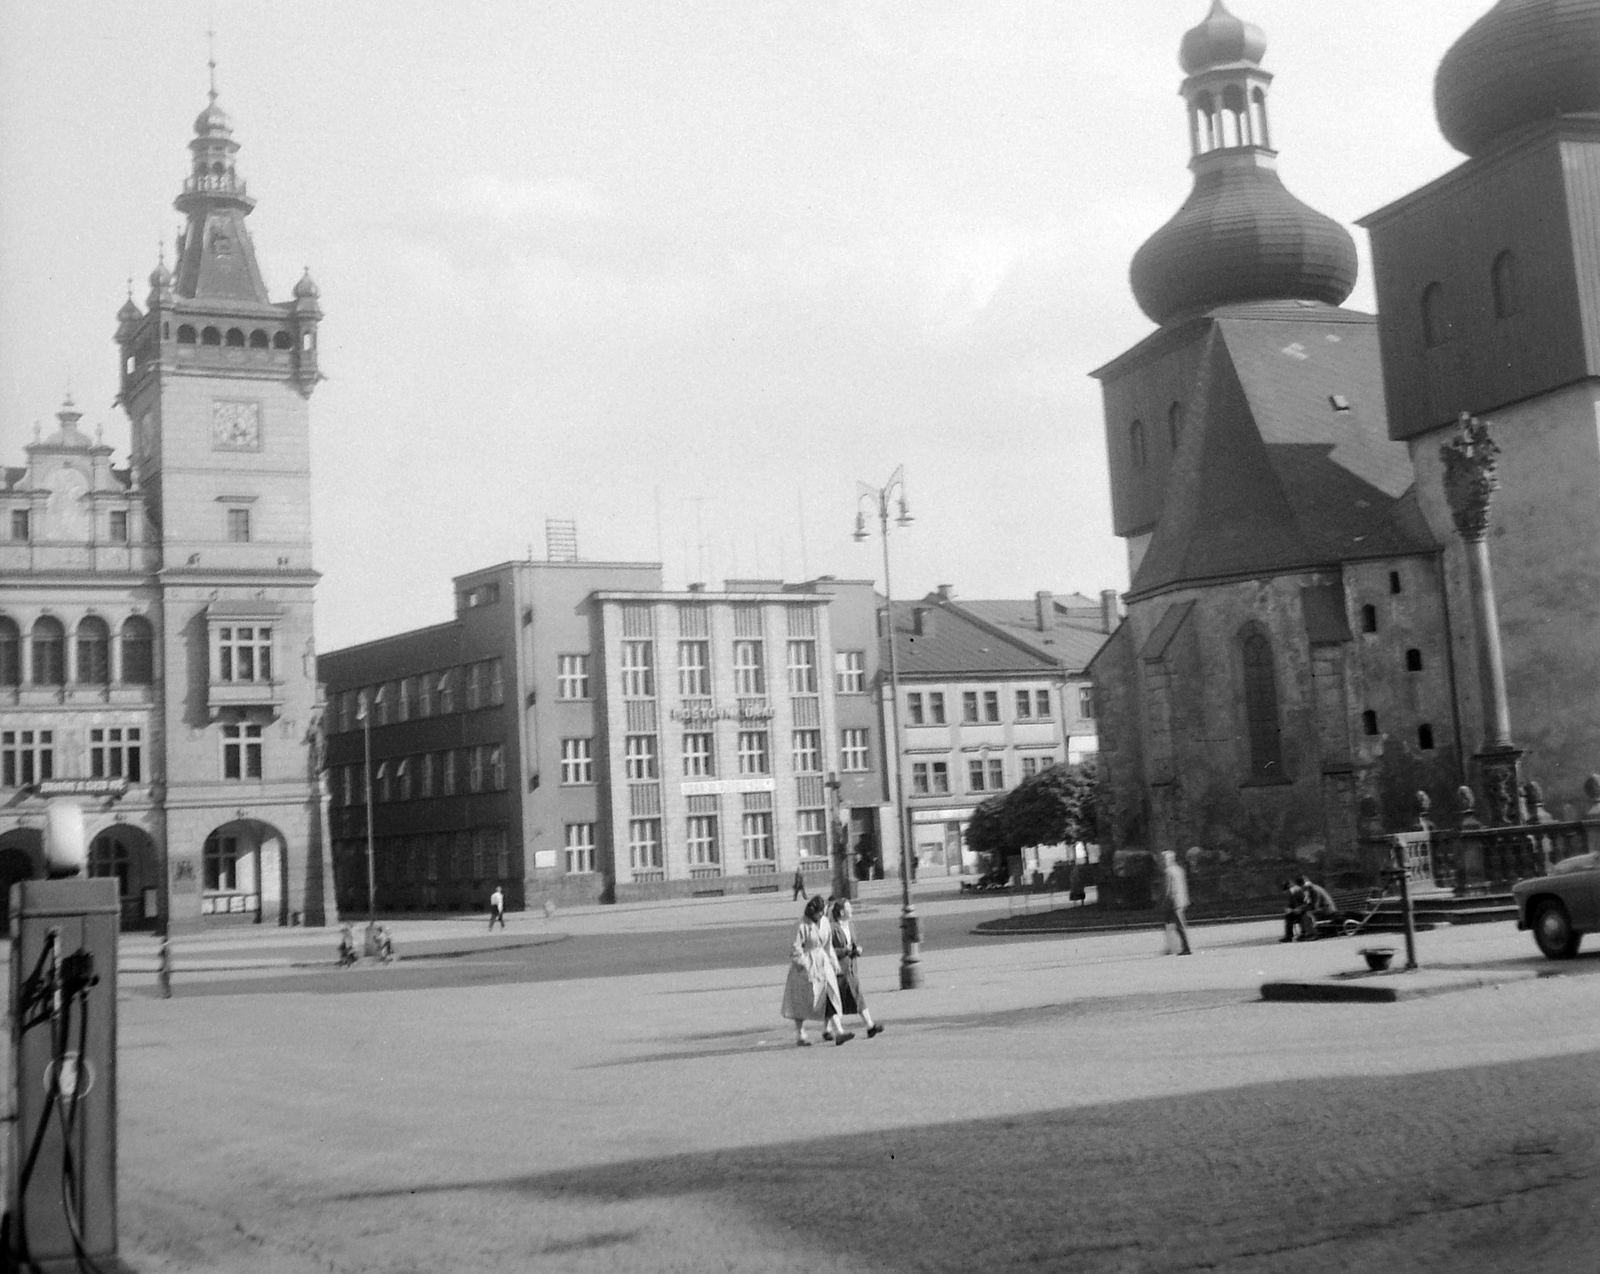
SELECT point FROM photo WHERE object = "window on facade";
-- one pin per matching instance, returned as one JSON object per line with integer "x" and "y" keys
{"x": 114, "y": 753}
{"x": 473, "y": 676}
{"x": 245, "y": 654}
{"x": 1086, "y": 703}
{"x": 969, "y": 706}
{"x": 639, "y": 756}
{"x": 1261, "y": 708}
{"x": 1394, "y": 581}
{"x": 936, "y": 707}
{"x": 402, "y": 779}
{"x": 811, "y": 832}
{"x": 1041, "y": 704}
{"x": 914, "y": 709}
{"x": 49, "y": 652}
{"x": 644, "y": 843}
{"x": 919, "y": 778}
{"x": 1425, "y": 737}
{"x": 448, "y": 781}
{"x": 380, "y": 783}
{"x": 572, "y": 677}
{"x": 220, "y": 864}
{"x": 241, "y": 751}
{"x": 109, "y": 859}
{"x": 422, "y": 700}
{"x": 580, "y": 848}
{"x": 577, "y": 761}
{"x": 10, "y": 653}
{"x": 854, "y": 750}
{"x": 26, "y": 757}
{"x": 702, "y": 840}
{"x": 1174, "y": 424}
{"x": 1030, "y": 766}
{"x": 699, "y": 758}
{"x": 239, "y": 526}
{"x": 1503, "y": 278}
{"x": 1369, "y": 619}
{"x": 407, "y": 694}
{"x": 991, "y": 705}
{"x": 756, "y": 835}
{"x": 694, "y": 669}
{"x": 94, "y": 652}
{"x": 445, "y": 688}
{"x": 119, "y": 526}
{"x": 850, "y": 672}
{"x": 749, "y": 671}
{"x": 997, "y": 774}
{"x": 21, "y": 530}
{"x": 1413, "y": 660}
{"x": 940, "y": 777}
{"x": 638, "y": 670}
{"x": 1369, "y": 722}
{"x": 494, "y": 767}
{"x": 802, "y": 667}
{"x": 1136, "y": 446}
{"x": 427, "y": 775}
{"x": 975, "y": 773}
{"x": 807, "y": 751}
{"x": 1024, "y": 705}
{"x": 753, "y": 752}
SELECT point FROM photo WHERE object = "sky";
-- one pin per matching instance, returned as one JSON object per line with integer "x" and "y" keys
{"x": 685, "y": 274}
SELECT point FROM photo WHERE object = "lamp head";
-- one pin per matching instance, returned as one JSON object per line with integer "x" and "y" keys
{"x": 861, "y": 527}
{"x": 905, "y": 518}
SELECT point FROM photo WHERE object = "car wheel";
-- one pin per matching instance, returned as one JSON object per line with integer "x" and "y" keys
{"x": 1553, "y": 931}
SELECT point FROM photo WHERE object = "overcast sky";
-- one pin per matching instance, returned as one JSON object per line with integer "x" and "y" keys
{"x": 592, "y": 259}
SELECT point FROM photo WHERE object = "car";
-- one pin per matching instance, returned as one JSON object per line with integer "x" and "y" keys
{"x": 1561, "y": 907}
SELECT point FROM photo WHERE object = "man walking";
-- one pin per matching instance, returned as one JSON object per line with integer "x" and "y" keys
{"x": 1175, "y": 898}
{"x": 799, "y": 883}
{"x": 497, "y": 908}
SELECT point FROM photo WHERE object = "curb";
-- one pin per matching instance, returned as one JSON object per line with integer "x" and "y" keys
{"x": 244, "y": 966}
{"x": 1365, "y": 988}
{"x": 984, "y": 930}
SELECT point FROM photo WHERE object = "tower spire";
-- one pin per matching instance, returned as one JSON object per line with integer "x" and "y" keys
{"x": 211, "y": 59}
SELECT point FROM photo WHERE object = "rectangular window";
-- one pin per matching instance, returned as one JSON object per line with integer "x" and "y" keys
{"x": 802, "y": 667}
{"x": 941, "y": 777}
{"x": 811, "y": 832}
{"x": 639, "y": 756}
{"x": 424, "y": 698}
{"x": 446, "y": 686}
{"x": 753, "y": 752}
{"x": 974, "y": 776}
{"x": 1024, "y": 705}
{"x": 119, "y": 526}
{"x": 991, "y": 705}
{"x": 756, "y": 835}
{"x": 698, "y": 757}
{"x": 474, "y": 762}
{"x": 580, "y": 848}
{"x": 447, "y": 773}
{"x": 969, "y": 706}
{"x": 241, "y": 751}
{"x": 1030, "y": 766}
{"x": 380, "y": 783}
{"x": 26, "y": 757}
{"x": 853, "y": 749}
{"x": 703, "y": 840}
{"x": 239, "y": 526}
{"x": 638, "y": 670}
{"x": 997, "y": 774}
{"x": 402, "y": 779}
{"x": 644, "y": 843}
{"x": 919, "y": 778}
{"x": 936, "y": 707}
{"x": 408, "y": 696}
{"x": 427, "y": 774}
{"x": 382, "y": 704}
{"x": 19, "y": 526}
{"x": 494, "y": 767}
{"x": 694, "y": 669}
{"x": 577, "y": 761}
{"x": 572, "y": 677}
{"x": 914, "y": 709}
{"x": 850, "y": 672}
{"x": 244, "y": 654}
{"x": 1041, "y": 704}
{"x": 749, "y": 671}
{"x": 474, "y": 680}
{"x": 807, "y": 751}
{"x": 220, "y": 864}
{"x": 1086, "y": 703}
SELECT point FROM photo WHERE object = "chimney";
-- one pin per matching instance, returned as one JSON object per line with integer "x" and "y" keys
{"x": 1044, "y": 606}
{"x": 697, "y": 588}
{"x": 1108, "y": 610}
{"x": 946, "y": 592}
{"x": 922, "y": 621}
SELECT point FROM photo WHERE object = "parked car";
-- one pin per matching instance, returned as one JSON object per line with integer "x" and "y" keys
{"x": 1561, "y": 907}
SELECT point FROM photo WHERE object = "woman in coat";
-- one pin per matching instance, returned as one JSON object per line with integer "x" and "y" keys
{"x": 812, "y": 989}
{"x": 842, "y": 937}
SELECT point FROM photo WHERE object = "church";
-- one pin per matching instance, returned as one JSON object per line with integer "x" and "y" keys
{"x": 1304, "y": 650}
{"x": 156, "y": 661}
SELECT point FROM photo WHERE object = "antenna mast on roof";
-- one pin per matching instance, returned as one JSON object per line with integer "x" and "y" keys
{"x": 560, "y": 540}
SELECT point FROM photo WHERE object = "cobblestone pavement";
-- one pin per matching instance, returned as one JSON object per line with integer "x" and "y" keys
{"x": 1064, "y": 1104}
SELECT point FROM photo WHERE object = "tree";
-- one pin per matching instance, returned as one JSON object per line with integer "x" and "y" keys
{"x": 986, "y": 830}
{"x": 1054, "y": 807}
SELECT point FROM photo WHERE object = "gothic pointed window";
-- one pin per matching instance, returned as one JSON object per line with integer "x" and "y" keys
{"x": 1261, "y": 708}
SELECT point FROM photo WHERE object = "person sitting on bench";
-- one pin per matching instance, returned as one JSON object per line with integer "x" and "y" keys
{"x": 1297, "y": 922}
{"x": 1319, "y": 904}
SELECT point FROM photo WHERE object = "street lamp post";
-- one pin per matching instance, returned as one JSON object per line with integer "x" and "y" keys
{"x": 878, "y": 499}
{"x": 364, "y": 711}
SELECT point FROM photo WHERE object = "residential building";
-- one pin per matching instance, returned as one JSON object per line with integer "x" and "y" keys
{"x": 155, "y": 620}
{"x": 578, "y": 734}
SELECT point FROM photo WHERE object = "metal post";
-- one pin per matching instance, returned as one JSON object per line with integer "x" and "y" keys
{"x": 366, "y": 733}
{"x": 1403, "y": 870}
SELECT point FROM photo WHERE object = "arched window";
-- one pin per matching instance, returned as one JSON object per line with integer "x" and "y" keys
{"x": 186, "y": 334}
{"x": 235, "y": 337}
{"x": 211, "y": 336}
{"x": 1235, "y": 117}
{"x": 1261, "y": 708}
{"x": 1205, "y": 109}
{"x": 1435, "y": 326}
{"x": 49, "y": 652}
{"x": 138, "y": 652}
{"x": 282, "y": 340}
{"x": 1136, "y": 449}
{"x": 10, "y": 653}
{"x": 258, "y": 339}
{"x": 1503, "y": 277}
{"x": 1258, "y": 111}
{"x": 94, "y": 652}
{"x": 1175, "y": 424}
{"x": 1413, "y": 660}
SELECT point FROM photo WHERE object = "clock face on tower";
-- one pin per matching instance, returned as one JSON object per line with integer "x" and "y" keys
{"x": 235, "y": 426}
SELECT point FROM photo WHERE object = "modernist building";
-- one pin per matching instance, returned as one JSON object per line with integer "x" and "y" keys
{"x": 155, "y": 625}
{"x": 576, "y": 733}
{"x": 991, "y": 693}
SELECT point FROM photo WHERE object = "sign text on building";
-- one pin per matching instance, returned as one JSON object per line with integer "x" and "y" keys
{"x": 748, "y": 710}
{"x": 83, "y": 787}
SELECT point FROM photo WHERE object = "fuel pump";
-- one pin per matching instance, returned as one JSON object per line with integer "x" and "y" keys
{"x": 61, "y": 1179}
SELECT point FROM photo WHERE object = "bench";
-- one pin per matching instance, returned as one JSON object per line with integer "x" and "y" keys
{"x": 1351, "y": 908}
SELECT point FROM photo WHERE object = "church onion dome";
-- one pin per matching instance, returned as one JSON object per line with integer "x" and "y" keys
{"x": 213, "y": 121}
{"x": 131, "y": 313}
{"x": 1523, "y": 61}
{"x": 1241, "y": 236}
{"x": 306, "y": 289}
{"x": 68, "y": 436}
{"x": 1221, "y": 40}
{"x": 160, "y": 278}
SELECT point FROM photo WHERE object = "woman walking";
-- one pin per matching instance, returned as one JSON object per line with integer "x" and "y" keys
{"x": 842, "y": 937}
{"x": 812, "y": 988}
